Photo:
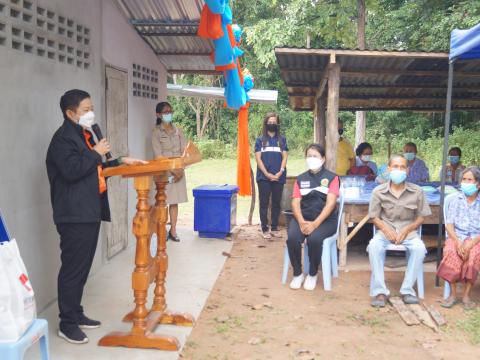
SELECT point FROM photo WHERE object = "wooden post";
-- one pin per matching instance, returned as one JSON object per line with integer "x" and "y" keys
{"x": 332, "y": 114}
{"x": 360, "y": 116}
{"x": 319, "y": 125}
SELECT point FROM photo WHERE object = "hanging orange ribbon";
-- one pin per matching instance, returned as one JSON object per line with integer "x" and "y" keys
{"x": 210, "y": 26}
{"x": 243, "y": 154}
{"x": 102, "y": 183}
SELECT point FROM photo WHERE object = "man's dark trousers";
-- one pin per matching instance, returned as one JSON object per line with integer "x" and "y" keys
{"x": 78, "y": 243}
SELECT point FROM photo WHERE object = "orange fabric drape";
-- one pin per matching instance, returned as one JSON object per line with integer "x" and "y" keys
{"x": 243, "y": 153}
{"x": 210, "y": 26}
{"x": 102, "y": 183}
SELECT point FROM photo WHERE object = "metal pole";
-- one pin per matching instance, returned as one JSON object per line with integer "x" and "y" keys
{"x": 444, "y": 164}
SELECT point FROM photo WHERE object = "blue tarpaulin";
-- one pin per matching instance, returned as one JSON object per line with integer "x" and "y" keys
{"x": 465, "y": 44}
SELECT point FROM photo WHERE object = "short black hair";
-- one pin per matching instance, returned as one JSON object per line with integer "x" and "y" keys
{"x": 319, "y": 148}
{"x": 457, "y": 149}
{"x": 71, "y": 100}
{"x": 362, "y": 147}
{"x": 411, "y": 144}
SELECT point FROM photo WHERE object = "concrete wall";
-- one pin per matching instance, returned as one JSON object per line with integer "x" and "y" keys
{"x": 30, "y": 89}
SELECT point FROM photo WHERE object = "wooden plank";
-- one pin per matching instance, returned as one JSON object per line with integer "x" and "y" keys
{"x": 423, "y": 316}
{"x": 319, "y": 121}
{"x": 407, "y": 316}
{"x": 368, "y": 53}
{"x": 332, "y": 116}
{"x": 435, "y": 314}
{"x": 393, "y": 72}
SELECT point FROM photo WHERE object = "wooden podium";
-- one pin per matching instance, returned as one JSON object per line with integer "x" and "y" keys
{"x": 148, "y": 269}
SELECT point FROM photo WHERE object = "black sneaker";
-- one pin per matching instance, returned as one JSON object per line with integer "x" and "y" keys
{"x": 86, "y": 323}
{"x": 72, "y": 334}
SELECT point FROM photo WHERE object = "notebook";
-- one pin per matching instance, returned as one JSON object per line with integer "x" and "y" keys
{"x": 4, "y": 235}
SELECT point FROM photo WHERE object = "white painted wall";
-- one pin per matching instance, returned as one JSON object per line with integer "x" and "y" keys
{"x": 30, "y": 90}
{"x": 122, "y": 49}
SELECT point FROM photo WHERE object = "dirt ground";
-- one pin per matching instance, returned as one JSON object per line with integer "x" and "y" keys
{"x": 251, "y": 315}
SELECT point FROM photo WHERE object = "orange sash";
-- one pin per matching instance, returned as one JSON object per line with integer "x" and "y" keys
{"x": 102, "y": 183}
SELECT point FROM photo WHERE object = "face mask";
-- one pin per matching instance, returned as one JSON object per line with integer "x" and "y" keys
{"x": 272, "y": 127}
{"x": 314, "y": 163}
{"x": 454, "y": 159}
{"x": 398, "y": 176}
{"x": 87, "y": 120}
{"x": 340, "y": 132}
{"x": 167, "y": 118}
{"x": 468, "y": 188}
{"x": 366, "y": 158}
{"x": 409, "y": 156}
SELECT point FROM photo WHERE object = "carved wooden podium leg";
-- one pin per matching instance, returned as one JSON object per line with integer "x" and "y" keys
{"x": 146, "y": 270}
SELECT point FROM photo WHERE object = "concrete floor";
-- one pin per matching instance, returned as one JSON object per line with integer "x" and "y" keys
{"x": 194, "y": 265}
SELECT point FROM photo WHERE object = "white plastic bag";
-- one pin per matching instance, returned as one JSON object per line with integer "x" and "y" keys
{"x": 17, "y": 301}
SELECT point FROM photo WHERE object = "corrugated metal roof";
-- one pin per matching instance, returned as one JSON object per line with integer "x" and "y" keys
{"x": 380, "y": 80}
{"x": 169, "y": 27}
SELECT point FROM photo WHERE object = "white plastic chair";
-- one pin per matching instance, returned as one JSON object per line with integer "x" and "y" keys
{"x": 329, "y": 253}
{"x": 400, "y": 247}
{"x": 446, "y": 203}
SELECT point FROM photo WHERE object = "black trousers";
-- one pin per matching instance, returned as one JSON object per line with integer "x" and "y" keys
{"x": 267, "y": 190}
{"x": 78, "y": 243}
{"x": 296, "y": 238}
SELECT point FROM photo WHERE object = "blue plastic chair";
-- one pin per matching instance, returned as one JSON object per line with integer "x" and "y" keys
{"x": 329, "y": 253}
{"x": 400, "y": 247}
{"x": 446, "y": 204}
{"x": 38, "y": 331}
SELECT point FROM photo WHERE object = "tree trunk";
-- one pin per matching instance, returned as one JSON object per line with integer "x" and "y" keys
{"x": 360, "y": 116}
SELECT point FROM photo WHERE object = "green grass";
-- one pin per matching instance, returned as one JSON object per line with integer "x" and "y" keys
{"x": 471, "y": 325}
{"x": 224, "y": 171}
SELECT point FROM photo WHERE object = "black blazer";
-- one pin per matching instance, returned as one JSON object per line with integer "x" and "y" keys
{"x": 73, "y": 176}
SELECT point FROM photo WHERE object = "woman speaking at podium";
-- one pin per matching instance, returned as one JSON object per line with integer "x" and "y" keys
{"x": 79, "y": 199}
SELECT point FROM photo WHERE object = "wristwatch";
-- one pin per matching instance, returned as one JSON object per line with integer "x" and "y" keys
{"x": 282, "y": 169}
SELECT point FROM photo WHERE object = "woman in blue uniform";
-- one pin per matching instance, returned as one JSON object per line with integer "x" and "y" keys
{"x": 271, "y": 152}
{"x": 314, "y": 201}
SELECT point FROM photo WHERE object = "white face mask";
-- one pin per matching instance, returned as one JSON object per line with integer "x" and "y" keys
{"x": 87, "y": 120}
{"x": 314, "y": 163}
{"x": 366, "y": 158}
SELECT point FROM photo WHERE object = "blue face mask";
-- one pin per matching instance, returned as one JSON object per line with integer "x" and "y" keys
{"x": 398, "y": 176}
{"x": 454, "y": 159}
{"x": 167, "y": 118}
{"x": 468, "y": 188}
{"x": 409, "y": 156}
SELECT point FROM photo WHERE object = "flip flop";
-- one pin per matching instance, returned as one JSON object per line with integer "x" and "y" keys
{"x": 469, "y": 305}
{"x": 379, "y": 301}
{"x": 448, "y": 304}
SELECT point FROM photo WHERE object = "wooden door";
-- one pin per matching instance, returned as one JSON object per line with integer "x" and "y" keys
{"x": 116, "y": 97}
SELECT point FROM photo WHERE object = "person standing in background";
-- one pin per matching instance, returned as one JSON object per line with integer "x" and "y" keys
{"x": 168, "y": 141}
{"x": 345, "y": 153}
{"x": 271, "y": 152}
{"x": 78, "y": 193}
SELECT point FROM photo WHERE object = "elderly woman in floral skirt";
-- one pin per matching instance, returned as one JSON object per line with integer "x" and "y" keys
{"x": 461, "y": 254}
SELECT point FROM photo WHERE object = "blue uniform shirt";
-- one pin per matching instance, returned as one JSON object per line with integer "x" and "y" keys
{"x": 271, "y": 155}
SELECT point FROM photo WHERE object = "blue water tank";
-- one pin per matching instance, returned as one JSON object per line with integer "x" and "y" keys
{"x": 215, "y": 210}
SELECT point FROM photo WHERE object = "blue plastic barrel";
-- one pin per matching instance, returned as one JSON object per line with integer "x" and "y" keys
{"x": 215, "y": 210}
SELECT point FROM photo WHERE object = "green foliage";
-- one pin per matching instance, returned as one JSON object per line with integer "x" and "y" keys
{"x": 216, "y": 149}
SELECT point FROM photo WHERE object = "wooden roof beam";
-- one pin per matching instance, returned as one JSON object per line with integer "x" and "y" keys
{"x": 393, "y": 72}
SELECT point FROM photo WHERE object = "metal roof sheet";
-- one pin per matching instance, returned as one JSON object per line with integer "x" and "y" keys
{"x": 169, "y": 27}
{"x": 380, "y": 80}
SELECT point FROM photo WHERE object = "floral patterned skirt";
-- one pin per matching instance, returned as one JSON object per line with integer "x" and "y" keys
{"x": 454, "y": 269}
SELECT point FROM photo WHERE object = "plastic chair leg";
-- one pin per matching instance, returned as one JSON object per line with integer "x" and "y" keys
{"x": 306, "y": 259}
{"x": 285, "y": 266}
{"x": 326, "y": 266}
{"x": 334, "y": 258}
{"x": 446, "y": 290}
{"x": 44, "y": 347}
{"x": 420, "y": 284}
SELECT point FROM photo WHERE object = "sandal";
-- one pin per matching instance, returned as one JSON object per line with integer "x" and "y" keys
{"x": 469, "y": 305}
{"x": 449, "y": 303}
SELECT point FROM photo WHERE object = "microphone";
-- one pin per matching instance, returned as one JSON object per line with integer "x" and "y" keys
{"x": 98, "y": 134}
